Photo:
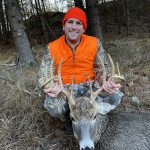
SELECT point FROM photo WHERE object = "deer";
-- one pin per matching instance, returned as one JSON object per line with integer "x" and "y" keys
{"x": 87, "y": 116}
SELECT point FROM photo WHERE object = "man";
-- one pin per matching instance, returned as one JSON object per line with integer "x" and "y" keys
{"x": 79, "y": 53}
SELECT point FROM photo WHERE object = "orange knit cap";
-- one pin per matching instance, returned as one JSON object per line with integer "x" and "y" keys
{"x": 77, "y": 13}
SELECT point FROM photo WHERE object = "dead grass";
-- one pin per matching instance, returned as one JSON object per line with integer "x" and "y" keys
{"x": 25, "y": 124}
{"x": 133, "y": 55}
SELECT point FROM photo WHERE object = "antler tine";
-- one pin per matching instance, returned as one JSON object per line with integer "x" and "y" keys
{"x": 70, "y": 97}
{"x": 94, "y": 94}
{"x": 118, "y": 70}
{"x": 50, "y": 80}
{"x": 59, "y": 78}
{"x": 115, "y": 76}
{"x": 103, "y": 68}
{"x": 51, "y": 70}
{"x": 86, "y": 75}
{"x": 112, "y": 65}
{"x": 72, "y": 85}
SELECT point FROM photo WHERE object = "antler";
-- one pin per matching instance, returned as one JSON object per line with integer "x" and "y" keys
{"x": 69, "y": 95}
{"x": 115, "y": 76}
{"x": 49, "y": 81}
{"x": 94, "y": 94}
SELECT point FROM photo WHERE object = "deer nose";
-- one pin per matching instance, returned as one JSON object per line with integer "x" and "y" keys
{"x": 87, "y": 148}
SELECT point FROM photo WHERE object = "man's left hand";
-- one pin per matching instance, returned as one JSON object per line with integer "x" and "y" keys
{"x": 110, "y": 86}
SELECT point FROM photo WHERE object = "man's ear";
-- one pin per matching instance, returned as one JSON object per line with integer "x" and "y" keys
{"x": 83, "y": 31}
{"x": 63, "y": 27}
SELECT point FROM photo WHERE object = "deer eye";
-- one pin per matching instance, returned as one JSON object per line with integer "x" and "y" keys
{"x": 72, "y": 118}
{"x": 94, "y": 117}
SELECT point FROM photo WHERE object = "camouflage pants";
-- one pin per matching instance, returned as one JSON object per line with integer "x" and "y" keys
{"x": 58, "y": 107}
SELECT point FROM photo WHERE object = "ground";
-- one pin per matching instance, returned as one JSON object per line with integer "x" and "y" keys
{"x": 25, "y": 124}
{"x": 133, "y": 55}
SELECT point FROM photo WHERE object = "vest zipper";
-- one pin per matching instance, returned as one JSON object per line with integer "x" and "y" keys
{"x": 73, "y": 53}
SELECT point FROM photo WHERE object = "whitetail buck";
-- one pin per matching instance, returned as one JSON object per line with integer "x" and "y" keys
{"x": 85, "y": 112}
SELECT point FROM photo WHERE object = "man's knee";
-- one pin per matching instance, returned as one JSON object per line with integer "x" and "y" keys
{"x": 112, "y": 99}
{"x": 56, "y": 107}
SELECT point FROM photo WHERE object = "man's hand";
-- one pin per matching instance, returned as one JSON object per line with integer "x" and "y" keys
{"x": 110, "y": 86}
{"x": 54, "y": 90}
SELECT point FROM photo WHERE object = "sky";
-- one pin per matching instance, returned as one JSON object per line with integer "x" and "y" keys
{"x": 60, "y": 5}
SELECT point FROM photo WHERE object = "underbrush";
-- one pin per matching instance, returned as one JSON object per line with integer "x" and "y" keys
{"x": 26, "y": 125}
{"x": 19, "y": 113}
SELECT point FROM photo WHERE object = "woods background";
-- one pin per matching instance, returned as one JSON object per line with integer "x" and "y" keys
{"x": 27, "y": 26}
{"x": 34, "y": 22}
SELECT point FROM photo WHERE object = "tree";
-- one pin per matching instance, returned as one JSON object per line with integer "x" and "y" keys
{"x": 79, "y": 3}
{"x": 94, "y": 27}
{"x": 2, "y": 21}
{"x": 24, "y": 52}
{"x": 93, "y": 19}
{"x": 39, "y": 10}
{"x": 92, "y": 16}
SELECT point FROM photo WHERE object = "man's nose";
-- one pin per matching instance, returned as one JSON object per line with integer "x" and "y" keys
{"x": 74, "y": 25}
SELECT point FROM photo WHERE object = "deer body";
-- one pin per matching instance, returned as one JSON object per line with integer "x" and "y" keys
{"x": 126, "y": 131}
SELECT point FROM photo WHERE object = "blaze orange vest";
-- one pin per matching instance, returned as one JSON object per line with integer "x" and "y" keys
{"x": 79, "y": 63}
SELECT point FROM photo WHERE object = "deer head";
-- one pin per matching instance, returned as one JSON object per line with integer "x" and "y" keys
{"x": 83, "y": 110}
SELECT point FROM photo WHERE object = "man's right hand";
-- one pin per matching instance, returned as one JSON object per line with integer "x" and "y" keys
{"x": 53, "y": 91}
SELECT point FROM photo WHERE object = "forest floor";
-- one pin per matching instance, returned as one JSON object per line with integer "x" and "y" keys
{"x": 25, "y": 124}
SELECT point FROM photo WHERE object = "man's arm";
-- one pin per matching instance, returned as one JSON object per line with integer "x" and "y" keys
{"x": 44, "y": 76}
{"x": 108, "y": 85}
{"x": 97, "y": 66}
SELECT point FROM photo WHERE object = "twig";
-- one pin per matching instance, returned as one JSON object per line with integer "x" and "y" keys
{"x": 28, "y": 92}
{"x": 8, "y": 65}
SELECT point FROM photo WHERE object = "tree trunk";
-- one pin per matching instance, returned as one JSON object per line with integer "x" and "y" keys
{"x": 79, "y": 3}
{"x": 119, "y": 16}
{"x": 126, "y": 16}
{"x": 94, "y": 25}
{"x": 32, "y": 8}
{"x": 2, "y": 21}
{"x": 138, "y": 9}
{"x": 93, "y": 19}
{"x": 24, "y": 52}
{"x": 43, "y": 6}
{"x": 42, "y": 20}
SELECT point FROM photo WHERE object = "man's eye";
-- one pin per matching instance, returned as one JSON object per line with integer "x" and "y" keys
{"x": 70, "y": 22}
{"x": 78, "y": 23}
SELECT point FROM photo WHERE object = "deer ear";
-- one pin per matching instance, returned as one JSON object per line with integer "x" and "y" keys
{"x": 104, "y": 108}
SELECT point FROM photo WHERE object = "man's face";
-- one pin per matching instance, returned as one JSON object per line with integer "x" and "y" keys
{"x": 73, "y": 29}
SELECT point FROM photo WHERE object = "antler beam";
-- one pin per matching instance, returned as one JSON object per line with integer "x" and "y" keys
{"x": 94, "y": 94}
{"x": 115, "y": 76}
